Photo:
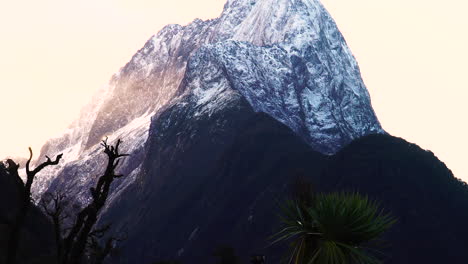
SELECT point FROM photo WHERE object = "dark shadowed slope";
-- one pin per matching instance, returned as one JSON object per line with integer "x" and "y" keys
{"x": 216, "y": 180}
{"x": 218, "y": 186}
{"x": 431, "y": 205}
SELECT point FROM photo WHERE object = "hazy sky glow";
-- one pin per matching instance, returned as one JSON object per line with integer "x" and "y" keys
{"x": 54, "y": 54}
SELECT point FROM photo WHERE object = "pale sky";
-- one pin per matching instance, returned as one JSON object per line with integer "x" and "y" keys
{"x": 54, "y": 54}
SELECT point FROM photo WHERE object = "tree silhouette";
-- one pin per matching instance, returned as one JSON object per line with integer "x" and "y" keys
{"x": 226, "y": 255}
{"x": 80, "y": 238}
{"x": 25, "y": 192}
{"x": 55, "y": 206}
{"x": 83, "y": 237}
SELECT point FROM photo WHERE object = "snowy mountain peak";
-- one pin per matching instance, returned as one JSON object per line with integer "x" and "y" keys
{"x": 286, "y": 58}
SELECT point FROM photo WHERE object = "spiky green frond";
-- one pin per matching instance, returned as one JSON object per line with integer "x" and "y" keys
{"x": 332, "y": 230}
{"x": 349, "y": 218}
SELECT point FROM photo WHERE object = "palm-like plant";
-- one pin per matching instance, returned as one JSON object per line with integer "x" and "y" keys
{"x": 333, "y": 229}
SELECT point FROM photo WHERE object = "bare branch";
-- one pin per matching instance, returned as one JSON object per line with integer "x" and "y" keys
{"x": 41, "y": 166}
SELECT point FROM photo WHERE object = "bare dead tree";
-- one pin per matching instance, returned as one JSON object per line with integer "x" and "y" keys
{"x": 60, "y": 209}
{"x": 25, "y": 200}
{"x": 55, "y": 206}
{"x": 82, "y": 233}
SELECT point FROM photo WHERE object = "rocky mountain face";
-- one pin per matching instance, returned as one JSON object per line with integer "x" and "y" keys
{"x": 214, "y": 116}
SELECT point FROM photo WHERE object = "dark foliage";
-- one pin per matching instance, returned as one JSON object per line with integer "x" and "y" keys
{"x": 35, "y": 239}
{"x": 77, "y": 243}
{"x": 336, "y": 228}
{"x": 257, "y": 259}
{"x": 226, "y": 255}
{"x": 167, "y": 262}
{"x": 24, "y": 197}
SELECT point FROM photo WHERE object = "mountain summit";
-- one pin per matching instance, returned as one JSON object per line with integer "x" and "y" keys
{"x": 285, "y": 57}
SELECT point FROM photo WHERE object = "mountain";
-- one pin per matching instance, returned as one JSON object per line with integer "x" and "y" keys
{"x": 220, "y": 116}
{"x": 286, "y": 58}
